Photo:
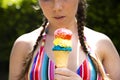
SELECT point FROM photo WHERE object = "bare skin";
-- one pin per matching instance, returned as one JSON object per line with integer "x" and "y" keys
{"x": 101, "y": 46}
{"x": 61, "y": 13}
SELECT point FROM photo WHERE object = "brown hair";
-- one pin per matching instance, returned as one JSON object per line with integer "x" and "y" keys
{"x": 81, "y": 17}
{"x": 28, "y": 59}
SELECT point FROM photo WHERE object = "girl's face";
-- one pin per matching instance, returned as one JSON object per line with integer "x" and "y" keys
{"x": 59, "y": 12}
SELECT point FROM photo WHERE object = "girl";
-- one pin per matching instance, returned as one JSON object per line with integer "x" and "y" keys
{"x": 93, "y": 54}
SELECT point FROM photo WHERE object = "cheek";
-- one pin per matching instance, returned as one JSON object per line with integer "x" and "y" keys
{"x": 46, "y": 12}
{"x": 73, "y": 9}
{"x": 45, "y": 9}
{"x": 73, "y": 6}
{"x": 76, "y": 6}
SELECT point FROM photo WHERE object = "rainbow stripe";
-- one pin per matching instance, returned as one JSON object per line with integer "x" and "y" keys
{"x": 87, "y": 70}
{"x": 62, "y": 42}
{"x": 42, "y": 68}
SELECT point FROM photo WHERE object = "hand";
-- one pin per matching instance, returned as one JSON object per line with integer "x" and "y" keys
{"x": 65, "y": 74}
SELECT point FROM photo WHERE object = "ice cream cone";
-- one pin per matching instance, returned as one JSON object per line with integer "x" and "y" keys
{"x": 62, "y": 46}
{"x": 61, "y": 58}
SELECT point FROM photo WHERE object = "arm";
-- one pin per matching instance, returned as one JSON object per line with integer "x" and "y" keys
{"x": 22, "y": 46}
{"x": 110, "y": 58}
{"x": 19, "y": 52}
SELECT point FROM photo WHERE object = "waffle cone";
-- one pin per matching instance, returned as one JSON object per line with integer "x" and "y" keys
{"x": 61, "y": 58}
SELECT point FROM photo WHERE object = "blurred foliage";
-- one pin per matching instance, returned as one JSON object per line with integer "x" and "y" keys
{"x": 6, "y": 3}
{"x": 18, "y": 17}
{"x": 16, "y": 21}
{"x": 104, "y": 16}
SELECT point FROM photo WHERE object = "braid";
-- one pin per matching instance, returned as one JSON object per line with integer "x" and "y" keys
{"x": 40, "y": 36}
{"x": 81, "y": 17}
{"x": 81, "y": 23}
{"x": 28, "y": 59}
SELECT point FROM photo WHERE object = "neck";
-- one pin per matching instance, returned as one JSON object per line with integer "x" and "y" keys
{"x": 72, "y": 26}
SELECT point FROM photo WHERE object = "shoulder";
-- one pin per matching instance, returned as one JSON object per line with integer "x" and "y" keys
{"x": 95, "y": 37}
{"x": 105, "y": 50}
{"x": 29, "y": 37}
{"x": 24, "y": 44}
{"x": 100, "y": 43}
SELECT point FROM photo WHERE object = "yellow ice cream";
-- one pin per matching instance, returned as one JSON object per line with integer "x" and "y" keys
{"x": 62, "y": 46}
{"x": 62, "y": 42}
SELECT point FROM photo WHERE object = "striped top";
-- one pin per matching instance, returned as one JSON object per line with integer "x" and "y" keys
{"x": 42, "y": 67}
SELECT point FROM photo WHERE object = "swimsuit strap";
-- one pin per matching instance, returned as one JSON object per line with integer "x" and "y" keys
{"x": 42, "y": 68}
{"x": 87, "y": 69}
{"x": 43, "y": 40}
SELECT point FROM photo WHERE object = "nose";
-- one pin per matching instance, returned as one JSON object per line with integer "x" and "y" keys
{"x": 57, "y": 5}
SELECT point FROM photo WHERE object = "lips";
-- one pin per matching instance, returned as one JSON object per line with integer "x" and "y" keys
{"x": 59, "y": 17}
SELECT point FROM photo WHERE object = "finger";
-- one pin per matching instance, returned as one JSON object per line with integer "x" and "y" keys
{"x": 66, "y": 74}
{"x": 61, "y": 71}
{"x": 61, "y": 77}
{"x": 64, "y": 71}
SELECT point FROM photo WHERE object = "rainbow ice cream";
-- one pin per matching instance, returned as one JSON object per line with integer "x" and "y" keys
{"x": 62, "y": 46}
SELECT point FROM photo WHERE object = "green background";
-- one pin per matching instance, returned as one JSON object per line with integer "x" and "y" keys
{"x": 19, "y": 16}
